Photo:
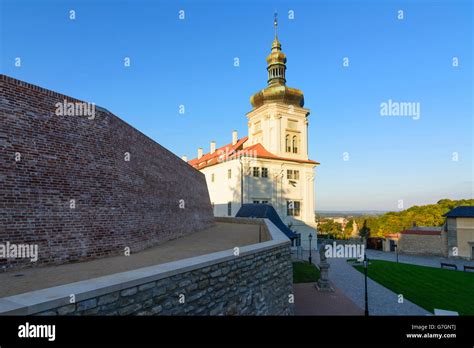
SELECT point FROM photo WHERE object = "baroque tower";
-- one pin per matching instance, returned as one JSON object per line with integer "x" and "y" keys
{"x": 278, "y": 120}
{"x": 271, "y": 164}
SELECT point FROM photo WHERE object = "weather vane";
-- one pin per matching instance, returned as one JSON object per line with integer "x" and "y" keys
{"x": 275, "y": 23}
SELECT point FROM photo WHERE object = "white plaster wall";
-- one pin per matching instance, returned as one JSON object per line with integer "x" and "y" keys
{"x": 276, "y": 189}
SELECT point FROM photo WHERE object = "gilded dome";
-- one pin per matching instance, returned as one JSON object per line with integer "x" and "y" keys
{"x": 277, "y": 91}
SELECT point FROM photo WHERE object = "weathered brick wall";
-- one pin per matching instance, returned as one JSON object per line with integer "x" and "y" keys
{"x": 256, "y": 284}
{"x": 118, "y": 203}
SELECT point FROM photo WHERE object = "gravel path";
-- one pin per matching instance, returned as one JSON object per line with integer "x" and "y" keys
{"x": 382, "y": 301}
{"x": 430, "y": 261}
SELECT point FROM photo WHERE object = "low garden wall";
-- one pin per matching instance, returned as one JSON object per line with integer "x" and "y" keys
{"x": 430, "y": 245}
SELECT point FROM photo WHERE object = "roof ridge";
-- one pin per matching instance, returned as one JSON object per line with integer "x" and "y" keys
{"x": 205, "y": 160}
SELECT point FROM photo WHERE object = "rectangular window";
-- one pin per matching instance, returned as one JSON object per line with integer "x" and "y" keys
{"x": 292, "y": 208}
{"x": 264, "y": 202}
{"x": 229, "y": 209}
{"x": 292, "y": 174}
{"x": 264, "y": 172}
{"x": 229, "y": 174}
{"x": 256, "y": 202}
{"x": 256, "y": 172}
{"x": 212, "y": 177}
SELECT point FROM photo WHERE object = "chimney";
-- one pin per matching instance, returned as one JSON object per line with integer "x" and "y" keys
{"x": 213, "y": 147}
{"x": 184, "y": 158}
{"x": 234, "y": 137}
{"x": 199, "y": 152}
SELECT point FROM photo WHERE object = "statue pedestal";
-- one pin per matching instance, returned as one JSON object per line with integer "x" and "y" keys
{"x": 323, "y": 284}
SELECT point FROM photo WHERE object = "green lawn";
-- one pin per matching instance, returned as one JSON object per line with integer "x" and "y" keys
{"x": 352, "y": 260}
{"x": 304, "y": 272}
{"x": 428, "y": 287}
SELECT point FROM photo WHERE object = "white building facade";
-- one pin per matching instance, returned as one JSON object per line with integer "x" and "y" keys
{"x": 271, "y": 164}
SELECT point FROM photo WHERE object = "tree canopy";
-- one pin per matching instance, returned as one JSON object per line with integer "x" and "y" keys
{"x": 426, "y": 215}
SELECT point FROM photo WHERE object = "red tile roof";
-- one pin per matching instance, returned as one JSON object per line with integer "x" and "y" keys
{"x": 422, "y": 232}
{"x": 230, "y": 151}
{"x": 261, "y": 152}
{"x": 209, "y": 159}
{"x": 392, "y": 235}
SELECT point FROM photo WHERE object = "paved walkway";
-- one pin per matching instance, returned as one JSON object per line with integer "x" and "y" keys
{"x": 382, "y": 301}
{"x": 309, "y": 301}
{"x": 221, "y": 236}
{"x": 430, "y": 261}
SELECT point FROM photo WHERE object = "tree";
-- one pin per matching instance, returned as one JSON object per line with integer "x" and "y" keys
{"x": 331, "y": 228}
{"x": 364, "y": 232}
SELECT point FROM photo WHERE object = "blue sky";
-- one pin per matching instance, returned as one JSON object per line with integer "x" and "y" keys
{"x": 190, "y": 62}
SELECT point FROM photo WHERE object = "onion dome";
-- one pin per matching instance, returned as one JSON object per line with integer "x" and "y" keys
{"x": 277, "y": 89}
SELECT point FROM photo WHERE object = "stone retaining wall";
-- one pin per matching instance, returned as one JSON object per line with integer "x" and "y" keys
{"x": 258, "y": 284}
{"x": 258, "y": 280}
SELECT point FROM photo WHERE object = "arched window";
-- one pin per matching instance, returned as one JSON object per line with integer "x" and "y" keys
{"x": 295, "y": 144}
{"x": 287, "y": 143}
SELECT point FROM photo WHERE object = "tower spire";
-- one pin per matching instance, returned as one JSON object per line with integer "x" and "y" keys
{"x": 277, "y": 91}
{"x": 276, "y": 60}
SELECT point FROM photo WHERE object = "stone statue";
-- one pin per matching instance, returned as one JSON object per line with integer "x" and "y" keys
{"x": 322, "y": 252}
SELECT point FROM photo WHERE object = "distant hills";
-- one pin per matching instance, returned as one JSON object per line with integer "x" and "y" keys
{"x": 425, "y": 215}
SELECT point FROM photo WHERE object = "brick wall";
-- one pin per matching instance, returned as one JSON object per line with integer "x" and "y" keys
{"x": 118, "y": 203}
